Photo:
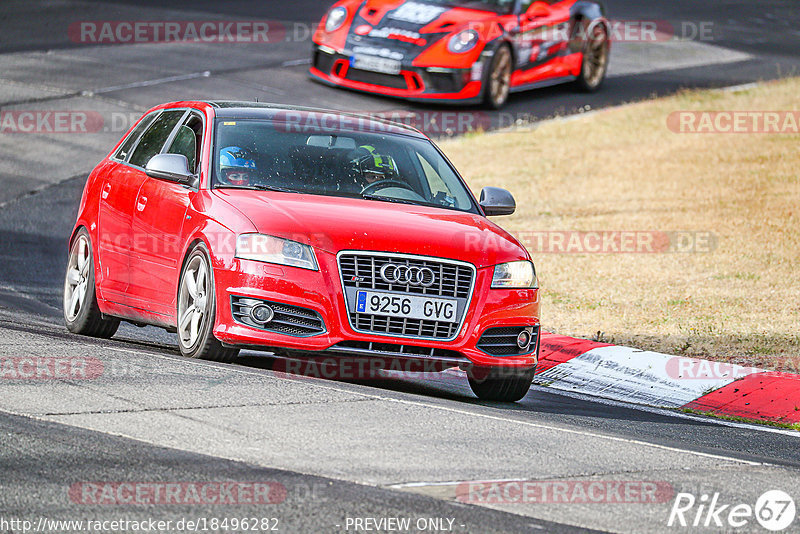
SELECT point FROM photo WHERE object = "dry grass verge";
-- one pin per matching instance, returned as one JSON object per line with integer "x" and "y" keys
{"x": 624, "y": 170}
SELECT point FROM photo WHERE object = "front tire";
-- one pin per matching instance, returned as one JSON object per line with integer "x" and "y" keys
{"x": 82, "y": 314}
{"x": 501, "y": 385}
{"x": 595, "y": 48}
{"x": 498, "y": 80}
{"x": 197, "y": 306}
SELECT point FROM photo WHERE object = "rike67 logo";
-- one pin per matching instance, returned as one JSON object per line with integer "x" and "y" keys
{"x": 774, "y": 510}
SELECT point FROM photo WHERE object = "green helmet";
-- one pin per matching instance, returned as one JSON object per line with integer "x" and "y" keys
{"x": 373, "y": 165}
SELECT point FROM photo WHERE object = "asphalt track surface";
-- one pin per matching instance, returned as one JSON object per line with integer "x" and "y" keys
{"x": 395, "y": 447}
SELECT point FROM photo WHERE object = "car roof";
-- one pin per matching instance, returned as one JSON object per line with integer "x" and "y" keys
{"x": 227, "y": 109}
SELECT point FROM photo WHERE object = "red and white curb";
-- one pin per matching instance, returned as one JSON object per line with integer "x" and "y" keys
{"x": 660, "y": 380}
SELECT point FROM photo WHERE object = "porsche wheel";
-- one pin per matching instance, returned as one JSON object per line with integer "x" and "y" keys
{"x": 197, "y": 311}
{"x": 501, "y": 385}
{"x": 82, "y": 315}
{"x": 498, "y": 82}
{"x": 595, "y": 47}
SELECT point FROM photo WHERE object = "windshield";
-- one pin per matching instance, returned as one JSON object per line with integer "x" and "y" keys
{"x": 498, "y": 6}
{"x": 260, "y": 154}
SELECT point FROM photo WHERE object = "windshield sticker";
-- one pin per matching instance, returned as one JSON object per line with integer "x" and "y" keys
{"x": 416, "y": 13}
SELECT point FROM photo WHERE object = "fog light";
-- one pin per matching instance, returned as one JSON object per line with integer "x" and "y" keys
{"x": 262, "y": 314}
{"x": 524, "y": 339}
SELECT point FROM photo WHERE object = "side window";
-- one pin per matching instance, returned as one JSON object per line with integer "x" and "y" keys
{"x": 125, "y": 148}
{"x": 188, "y": 141}
{"x": 438, "y": 178}
{"x": 154, "y": 138}
{"x": 435, "y": 181}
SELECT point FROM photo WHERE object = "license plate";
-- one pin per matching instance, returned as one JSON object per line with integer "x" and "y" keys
{"x": 376, "y": 64}
{"x": 406, "y": 306}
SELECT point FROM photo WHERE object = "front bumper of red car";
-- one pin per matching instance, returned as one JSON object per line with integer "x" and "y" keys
{"x": 431, "y": 84}
{"x": 311, "y": 314}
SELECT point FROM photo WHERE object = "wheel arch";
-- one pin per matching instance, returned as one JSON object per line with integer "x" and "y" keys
{"x": 589, "y": 10}
{"x": 593, "y": 13}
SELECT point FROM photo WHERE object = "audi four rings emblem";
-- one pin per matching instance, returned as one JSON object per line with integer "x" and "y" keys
{"x": 407, "y": 275}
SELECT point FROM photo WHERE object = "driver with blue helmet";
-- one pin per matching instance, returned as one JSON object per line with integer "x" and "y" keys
{"x": 237, "y": 166}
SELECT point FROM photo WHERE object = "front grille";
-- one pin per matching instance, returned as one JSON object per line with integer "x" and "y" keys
{"x": 289, "y": 320}
{"x": 394, "y": 81}
{"x": 445, "y": 82}
{"x": 503, "y": 341}
{"x": 453, "y": 280}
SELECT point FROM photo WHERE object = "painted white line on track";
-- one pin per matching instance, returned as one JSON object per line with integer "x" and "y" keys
{"x": 739, "y": 88}
{"x": 570, "y": 394}
{"x": 638, "y": 58}
{"x": 296, "y": 62}
{"x": 314, "y": 383}
{"x": 148, "y": 83}
{"x": 532, "y": 126}
{"x": 669, "y": 412}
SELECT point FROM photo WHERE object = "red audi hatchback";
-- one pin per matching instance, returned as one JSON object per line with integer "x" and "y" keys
{"x": 302, "y": 232}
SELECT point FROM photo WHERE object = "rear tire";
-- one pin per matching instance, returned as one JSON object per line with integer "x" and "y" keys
{"x": 82, "y": 314}
{"x": 501, "y": 385}
{"x": 197, "y": 305}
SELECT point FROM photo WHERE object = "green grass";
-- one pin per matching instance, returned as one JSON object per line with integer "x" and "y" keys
{"x": 737, "y": 419}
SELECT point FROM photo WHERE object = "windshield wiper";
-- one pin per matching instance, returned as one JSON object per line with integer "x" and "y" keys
{"x": 259, "y": 187}
{"x": 390, "y": 199}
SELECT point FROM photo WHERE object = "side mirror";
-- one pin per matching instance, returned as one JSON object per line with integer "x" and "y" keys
{"x": 538, "y": 10}
{"x": 170, "y": 167}
{"x": 496, "y": 201}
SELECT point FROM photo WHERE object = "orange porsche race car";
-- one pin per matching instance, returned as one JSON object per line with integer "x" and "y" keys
{"x": 461, "y": 51}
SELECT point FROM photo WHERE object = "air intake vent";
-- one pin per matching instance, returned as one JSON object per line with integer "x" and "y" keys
{"x": 289, "y": 320}
{"x": 510, "y": 341}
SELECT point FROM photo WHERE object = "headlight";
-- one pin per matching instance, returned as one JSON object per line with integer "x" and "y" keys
{"x": 259, "y": 247}
{"x": 335, "y": 19}
{"x": 515, "y": 275}
{"x": 463, "y": 41}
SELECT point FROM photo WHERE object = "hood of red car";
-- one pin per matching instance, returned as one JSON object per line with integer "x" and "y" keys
{"x": 428, "y": 15}
{"x": 333, "y": 224}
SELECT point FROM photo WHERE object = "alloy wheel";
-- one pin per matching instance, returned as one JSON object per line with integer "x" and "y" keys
{"x": 193, "y": 301}
{"x": 76, "y": 286}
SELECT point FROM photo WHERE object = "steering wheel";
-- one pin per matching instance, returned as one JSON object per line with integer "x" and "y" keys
{"x": 383, "y": 184}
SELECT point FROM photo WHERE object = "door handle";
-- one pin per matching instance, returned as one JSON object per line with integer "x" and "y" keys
{"x": 142, "y": 203}
{"x": 106, "y": 191}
